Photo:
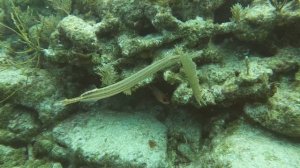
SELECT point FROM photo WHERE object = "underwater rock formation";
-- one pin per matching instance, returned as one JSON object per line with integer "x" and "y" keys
{"x": 244, "y": 145}
{"x": 280, "y": 114}
{"x": 99, "y": 139}
{"x": 18, "y": 125}
{"x": 77, "y": 31}
{"x": 11, "y": 157}
{"x": 65, "y": 64}
{"x": 32, "y": 88}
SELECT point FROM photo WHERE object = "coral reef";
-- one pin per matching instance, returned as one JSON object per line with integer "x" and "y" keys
{"x": 224, "y": 70}
{"x": 237, "y": 141}
{"x": 281, "y": 112}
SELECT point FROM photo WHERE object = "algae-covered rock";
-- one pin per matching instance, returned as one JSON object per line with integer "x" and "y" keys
{"x": 184, "y": 136}
{"x": 2, "y": 16}
{"x": 260, "y": 15}
{"x": 18, "y": 125}
{"x": 243, "y": 145}
{"x": 11, "y": 157}
{"x": 116, "y": 139}
{"x": 281, "y": 113}
{"x": 33, "y": 88}
{"x": 11, "y": 79}
{"x": 77, "y": 31}
{"x": 45, "y": 146}
{"x": 133, "y": 45}
{"x": 267, "y": 23}
{"x": 18, "y": 157}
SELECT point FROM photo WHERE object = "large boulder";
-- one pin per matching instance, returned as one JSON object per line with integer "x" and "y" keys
{"x": 116, "y": 139}
{"x": 281, "y": 113}
{"x": 243, "y": 145}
